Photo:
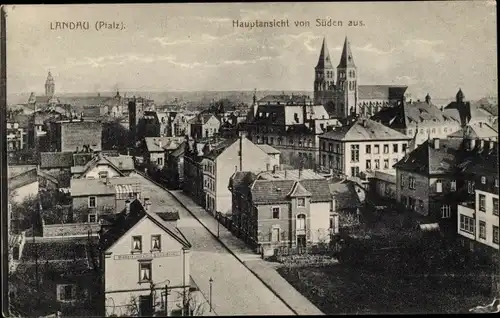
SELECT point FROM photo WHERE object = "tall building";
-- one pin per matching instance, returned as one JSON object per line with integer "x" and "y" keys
{"x": 344, "y": 96}
{"x": 50, "y": 86}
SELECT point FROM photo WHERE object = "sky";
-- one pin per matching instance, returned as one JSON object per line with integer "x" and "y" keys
{"x": 433, "y": 47}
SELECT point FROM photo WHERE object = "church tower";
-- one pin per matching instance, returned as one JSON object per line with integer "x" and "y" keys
{"x": 347, "y": 81}
{"x": 49, "y": 86}
{"x": 324, "y": 76}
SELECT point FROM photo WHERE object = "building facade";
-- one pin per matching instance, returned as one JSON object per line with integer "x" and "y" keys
{"x": 276, "y": 208}
{"x": 360, "y": 146}
{"x": 220, "y": 162}
{"x": 142, "y": 257}
{"x": 204, "y": 126}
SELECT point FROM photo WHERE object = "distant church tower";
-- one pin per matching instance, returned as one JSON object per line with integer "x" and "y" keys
{"x": 324, "y": 76}
{"x": 50, "y": 87}
{"x": 347, "y": 81}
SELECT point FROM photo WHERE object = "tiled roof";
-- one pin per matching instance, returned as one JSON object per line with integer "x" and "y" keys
{"x": 427, "y": 160}
{"x": 220, "y": 148}
{"x": 124, "y": 163}
{"x": 485, "y": 163}
{"x": 124, "y": 222}
{"x": 86, "y": 187}
{"x": 298, "y": 190}
{"x": 274, "y": 188}
{"x": 52, "y": 160}
{"x": 167, "y": 143}
{"x": 14, "y": 170}
{"x": 285, "y": 99}
{"x": 477, "y": 130}
{"x": 22, "y": 119}
{"x": 364, "y": 129}
{"x": 344, "y": 193}
{"x": 61, "y": 248}
{"x": 23, "y": 179}
{"x": 268, "y": 149}
{"x": 383, "y": 92}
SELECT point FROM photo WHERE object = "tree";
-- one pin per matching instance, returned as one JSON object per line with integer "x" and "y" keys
{"x": 195, "y": 303}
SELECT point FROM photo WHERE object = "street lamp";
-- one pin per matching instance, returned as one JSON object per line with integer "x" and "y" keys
{"x": 210, "y": 281}
{"x": 166, "y": 297}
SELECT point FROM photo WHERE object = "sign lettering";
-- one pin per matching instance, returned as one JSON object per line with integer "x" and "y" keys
{"x": 148, "y": 255}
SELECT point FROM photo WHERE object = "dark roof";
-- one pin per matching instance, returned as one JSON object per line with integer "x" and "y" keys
{"x": 285, "y": 99}
{"x": 240, "y": 181}
{"x": 50, "y": 160}
{"x": 60, "y": 248}
{"x": 324, "y": 61}
{"x": 220, "y": 148}
{"x": 169, "y": 216}
{"x": 427, "y": 160}
{"x": 346, "y": 59}
{"x": 344, "y": 193}
{"x": 124, "y": 222}
{"x": 384, "y": 92}
{"x": 364, "y": 129}
{"x": 23, "y": 179}
{"x": 485, "y": 163}
{"x": 276, "y": 191}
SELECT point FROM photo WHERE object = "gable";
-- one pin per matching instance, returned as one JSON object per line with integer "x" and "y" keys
{"x": 145, "y": 228}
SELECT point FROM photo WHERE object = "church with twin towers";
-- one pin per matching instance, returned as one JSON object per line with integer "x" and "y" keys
{"x": 339, "y": 91}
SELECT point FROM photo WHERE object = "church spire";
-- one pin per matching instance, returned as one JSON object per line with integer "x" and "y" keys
{"x": 324, "y": 60}
{"x": 346, "y": 59}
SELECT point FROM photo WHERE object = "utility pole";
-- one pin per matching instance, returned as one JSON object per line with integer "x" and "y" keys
{"x": 210, "y": 293}
{"x": 166, "y": 299}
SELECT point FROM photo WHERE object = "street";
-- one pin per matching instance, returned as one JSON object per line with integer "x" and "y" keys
{"x": 235, "y": 290}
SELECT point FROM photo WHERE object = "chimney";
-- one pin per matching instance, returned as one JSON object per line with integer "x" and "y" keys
{"x": 436, "y": 143}
{"x": 285, "y": 174}
{"x": 268, "y": 167}
{"x": 127, "y": 207}
{"x": 300, "y": 173}
{"x": 480, "y": 125}
{"x": 146, "y": 204}
{"x": 275, "y": 168}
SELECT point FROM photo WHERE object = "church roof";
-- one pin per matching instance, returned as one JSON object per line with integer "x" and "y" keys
{"x": 384, "y": 92}
{"x": 324, "y": 60}
{"x": 346, "y": 59}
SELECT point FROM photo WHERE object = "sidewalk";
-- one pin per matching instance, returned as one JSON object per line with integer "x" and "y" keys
{"x": 260, "y": 268}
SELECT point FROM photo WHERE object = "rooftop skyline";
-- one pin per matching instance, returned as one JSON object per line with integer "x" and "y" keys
{"x": 433, "y": 47}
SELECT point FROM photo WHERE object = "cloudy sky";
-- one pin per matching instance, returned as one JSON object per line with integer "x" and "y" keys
{"x": 433, "y": 47}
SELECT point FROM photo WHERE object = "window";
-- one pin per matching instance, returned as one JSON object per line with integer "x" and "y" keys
{"x": 156, "y": 242}
{"x": 301, "y": 222}
{"x": 445, "y": 129}
{"x": 482, "y": 202}
{"x": 368, "y": 164}
{"x": 394, "y": 161}
{"x": 145, "y": 271}
{"x": 496, "y": 183}
{"x": 402, "y": 181}
{"x": 495, "y": 206}
{"x": 495, "y": 234}
{"x": 386, "y": 148}
{"x": 137, "y": 243}
{"x": 445, "y": 211}
{"x": 433, "y": 130}
{"x": 421, "y": 205}
{"x": 337, "y": 148}
{"x": 412, "y": 183}
{"x": 354, "y": 171}
{"x": 411, "y": 203}
{"x": 301, "y": 202}
{"x": 377, "y": 149}
{"x": 467, "y": 224}
{"x": 470, "y": 187}
{"x": 453, "y": 186}
{"x": 354, "y": 153}
{"x": 377, "y": 164}
{"x": 404, "y": 147}
{"x": 159, "y": 161}
{"x": 271, "y": 140}
{"x": 330, "y": 147}
{"x": 92, "y": 218}
{"x": 368, "y": 149}
{"x": 482, "y": 230}
{"x": 276, "y": 213}
{"x": 439, "y": 186}
{"x": 66, "y": 292}
{"x": 103, "y": 174}
{"x": 395, "y": 148}
{"x": 92, "y": 202}
{"x": 386, "y": 163}
{"x": 483, "y": 180}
